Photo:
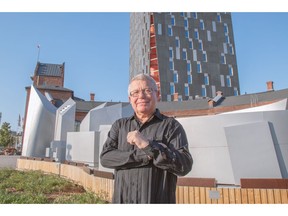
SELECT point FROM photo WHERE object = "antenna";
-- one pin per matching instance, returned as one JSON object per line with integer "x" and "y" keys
{"x": 38, "y": 46}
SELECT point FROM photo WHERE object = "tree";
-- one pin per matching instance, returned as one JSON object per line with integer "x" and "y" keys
{"x": 6, "y": 138}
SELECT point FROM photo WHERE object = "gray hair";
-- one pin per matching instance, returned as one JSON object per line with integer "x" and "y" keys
{"x": 146, "y": 78}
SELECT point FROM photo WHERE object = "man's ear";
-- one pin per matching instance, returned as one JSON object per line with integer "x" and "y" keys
{"x": 158, "y": 96}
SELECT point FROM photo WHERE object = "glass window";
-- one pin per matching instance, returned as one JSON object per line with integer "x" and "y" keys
{"x": 203, "y": 91}
{"x": 190, "y": 78}
{"x": 184, "y": 54}
{"x": 186, "y": 23}
{"x": 204, "y": 56}
{"x": 222, "y": 80}
{"x": 194, "y": 55}
{"x": 226, "y": 31}
{"x": 182, "y": 14}
{"x": 230, "y": 68}
{"x": 218, "y": 17}
{"x": 172, "y": 88}
{"x": 196, "y": 34}
{"x": 159, "y": 29}
{"x": 171, "y": 64}
{"x": 168, "y": 97}
{"x": 228, "y": 81}
{"x": 186, "y": 33}
{"x": 186, "y": 89}
{"x": 188, "y": 67}
{"x": 175, "y": 77}
{"x": 177, "y": 42}
{"x": 190, "y": 44}
{"x": 225, "y": 48}
{"x": 209, "y": 36}
{"x": 206, "y": 79}
{"x": 236, "y": 92}
{"x": 170, "y": 32}
{"x": 170, "y": 52}
{"x": 223, "y": 59}
{"x": 231, "y": 50}
{"x": 214, "y": 26}
{"x": 194, "y": 15}
{"x": 200, "y": 45}
{"x": 172, "y": 20}
{"x": 201, "y": 24}
{"x": 199, "y": 68}
{"x": 227, "y": 40}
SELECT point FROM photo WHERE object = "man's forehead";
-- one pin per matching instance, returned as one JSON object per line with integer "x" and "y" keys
{"x": 140, "y": 83}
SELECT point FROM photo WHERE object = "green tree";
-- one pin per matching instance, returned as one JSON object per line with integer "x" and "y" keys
{"x": 6, "y": 138}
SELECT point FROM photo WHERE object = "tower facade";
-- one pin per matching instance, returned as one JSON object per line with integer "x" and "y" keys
{"x": 190, "y": 55}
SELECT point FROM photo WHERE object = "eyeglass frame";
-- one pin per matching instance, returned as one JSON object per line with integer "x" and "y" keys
{"x": 145, "y": 91}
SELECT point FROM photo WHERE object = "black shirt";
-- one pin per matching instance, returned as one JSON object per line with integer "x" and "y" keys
{"x": 138, "y": 179}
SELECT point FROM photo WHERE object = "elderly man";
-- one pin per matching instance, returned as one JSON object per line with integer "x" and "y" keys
{"x": 147, "y": 150}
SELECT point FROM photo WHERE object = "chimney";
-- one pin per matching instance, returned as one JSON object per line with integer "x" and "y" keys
{"x": 270, "y": 86}
{"x": 92, "y": 96}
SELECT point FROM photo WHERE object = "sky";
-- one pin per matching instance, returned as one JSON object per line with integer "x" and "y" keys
{"x": 95, "y": 49}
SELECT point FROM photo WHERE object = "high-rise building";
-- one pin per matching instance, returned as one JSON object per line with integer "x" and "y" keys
{"x": 190, "y": 55}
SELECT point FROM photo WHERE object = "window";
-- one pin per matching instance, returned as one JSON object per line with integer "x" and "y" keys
{"x": 175, "y": 77}
{"x": 194, "y": 15}
{"x": 171, "y": 64}
{"x": 170, "y": 32}
{"x": 225, "y": 48}
{"x": 172, "y": 88}
{"x": 209, "y": 36}
{"x": 186, "y": 33}
{"x": 201, "y": 25}
{"x": 200, "y": 45}
{"x": 190, "y": 44}
{"x": 227, "y": 40}
{"x": 177, "y": 42}
{"x": 228, "y": 81}
{"x": 226, "y": 31}
{"x": 223, "y": 59}
{"x": 184, "y": 54}
{"x": 236, "y": 92}
{"x": 190, "y": 78}
{"x": 222, "y": 81}
{"x": 230, "y": 68}
{"x": 206, "y": 79}
{"x": 204, "y": 56}
{"x": 159, "y": 29}
{"x": 203, "y": 91}
{"x": 186, "y": 86}
{"x": 194, "y": 55}
{"x": 168, "y": 97}
{"x": 214, "y": 26}
{"x": 188, "y": 67}
{"x": 186, "y": 23}
{"x": 219, "y": 17}
{"x": 196, "y": 34}
{"x": 182, "y": 14}
{"x": 199, "y": 68}
{"x": 170, "y": 52}
{"x": 231, "y": 50}
{"x": 172, "y": 20}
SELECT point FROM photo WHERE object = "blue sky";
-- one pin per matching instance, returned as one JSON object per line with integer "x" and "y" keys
{"x": 95, "y": 49}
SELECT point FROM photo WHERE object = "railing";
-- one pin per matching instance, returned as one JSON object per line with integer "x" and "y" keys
{"x": 102, "y": 183}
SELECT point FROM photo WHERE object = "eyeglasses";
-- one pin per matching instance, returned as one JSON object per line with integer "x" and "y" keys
{"x": 146, "y": 91}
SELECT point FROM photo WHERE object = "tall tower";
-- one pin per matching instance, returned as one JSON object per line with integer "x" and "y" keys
{"x": 190, "y": 55}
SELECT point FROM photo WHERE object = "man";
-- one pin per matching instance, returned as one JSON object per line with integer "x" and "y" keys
{"x": 147, "y": 150}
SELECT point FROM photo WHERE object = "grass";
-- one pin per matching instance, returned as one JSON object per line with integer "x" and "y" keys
{"x": 35, "y": 187}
